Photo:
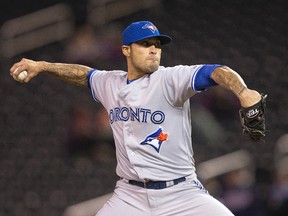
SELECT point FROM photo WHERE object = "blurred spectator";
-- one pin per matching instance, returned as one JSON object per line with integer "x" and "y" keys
{"x": 89, "y": 133}
{"x": 101, "y": 49}
{"x": 81, "y": 131}
{"x": 279, "y": 187}
{"x": 279, "y": 190}
{"x": 83, "y": 47}
{"x": 239, "y": 194}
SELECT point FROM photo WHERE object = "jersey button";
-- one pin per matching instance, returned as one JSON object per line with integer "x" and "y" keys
{"x": 133, "y": 153}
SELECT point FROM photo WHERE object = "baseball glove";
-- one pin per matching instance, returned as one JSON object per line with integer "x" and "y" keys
{"x": 253, "y": 119}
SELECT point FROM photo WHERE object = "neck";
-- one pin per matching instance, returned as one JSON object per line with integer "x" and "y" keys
{"x": 134, "y": 73}
{"x": 134, "y": 76}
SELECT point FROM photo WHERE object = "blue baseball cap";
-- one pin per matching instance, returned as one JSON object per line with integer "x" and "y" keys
{"x": 141, "y": 30}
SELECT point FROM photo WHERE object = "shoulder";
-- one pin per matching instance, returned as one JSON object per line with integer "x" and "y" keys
{"x": 110, "y": 72}
{"x": 95, "y": 73}
{"x": 100, "y": 77}
{"x": 178, "y": 69}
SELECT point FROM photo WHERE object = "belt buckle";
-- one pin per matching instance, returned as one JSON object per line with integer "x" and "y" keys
{"x": 170, "y": 183}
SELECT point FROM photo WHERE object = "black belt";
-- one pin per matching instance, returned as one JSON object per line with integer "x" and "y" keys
{"x": 157, "y": 184}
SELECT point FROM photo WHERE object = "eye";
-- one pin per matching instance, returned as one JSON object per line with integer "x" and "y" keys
{"x": 157, "y": 44}
{"x": 146, "y": 43}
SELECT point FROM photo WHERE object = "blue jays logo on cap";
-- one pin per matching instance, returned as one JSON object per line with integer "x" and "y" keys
{"x": 141, "y": 30}
{"x": 155, "y": 139}
{"x": 150, "y": 26}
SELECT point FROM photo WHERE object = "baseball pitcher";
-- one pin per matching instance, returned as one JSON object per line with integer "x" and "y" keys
{"x": 149, "y": 113}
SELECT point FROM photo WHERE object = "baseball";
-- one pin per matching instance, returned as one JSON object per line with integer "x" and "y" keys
{"x": 22, "y": 75}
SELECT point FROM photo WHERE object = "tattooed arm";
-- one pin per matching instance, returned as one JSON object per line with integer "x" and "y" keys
{"x": 71, "y": 73}
{"x": 229, "y": 79}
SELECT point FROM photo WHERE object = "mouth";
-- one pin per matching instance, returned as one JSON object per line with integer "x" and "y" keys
{"x": 153, "y": 58}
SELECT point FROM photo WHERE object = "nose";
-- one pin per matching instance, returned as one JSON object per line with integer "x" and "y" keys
{"x": 153, "y": 49}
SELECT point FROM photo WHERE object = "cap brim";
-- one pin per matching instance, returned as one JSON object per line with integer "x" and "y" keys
{"x": 164, "y": 39}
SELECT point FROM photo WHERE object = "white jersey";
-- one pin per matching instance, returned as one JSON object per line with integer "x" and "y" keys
{"x": 150, "y": 119}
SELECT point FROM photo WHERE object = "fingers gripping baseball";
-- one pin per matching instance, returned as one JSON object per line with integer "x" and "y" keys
{"x": 24, "y": 70}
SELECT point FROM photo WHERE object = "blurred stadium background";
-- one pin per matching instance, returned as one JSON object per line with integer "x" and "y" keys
{"x": 56, "y": 149}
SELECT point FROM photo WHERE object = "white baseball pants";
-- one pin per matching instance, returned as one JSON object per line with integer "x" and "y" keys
{"x": 187, "y": 198}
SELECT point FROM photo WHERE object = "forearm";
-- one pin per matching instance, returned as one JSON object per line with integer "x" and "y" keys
{"x": 229, "y": 79}
{"x": 71, "y": 73}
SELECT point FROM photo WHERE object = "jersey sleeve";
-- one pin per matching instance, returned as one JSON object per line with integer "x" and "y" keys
{"x": 182, "y": 81}
{"x": 89, "y": 76}
{"x": 99, "y": 80}
{"x": 92, "y": 82}
{"x": 103, "y": 84}
{"x": 201, "y": 79}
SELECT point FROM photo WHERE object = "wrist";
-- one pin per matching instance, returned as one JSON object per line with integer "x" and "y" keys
{"x": 241, "y": 91}
{"x": 43, "y": 66}
{"x": 249, "y": 97}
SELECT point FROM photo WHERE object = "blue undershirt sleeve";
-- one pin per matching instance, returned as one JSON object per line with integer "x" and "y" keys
{"x": 202, "y": 79}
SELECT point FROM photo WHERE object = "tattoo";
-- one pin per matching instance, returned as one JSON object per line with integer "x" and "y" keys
{"x": 229, "y": 79}
{"x": 244, "y": 87}
{"x": 70, "y": 73}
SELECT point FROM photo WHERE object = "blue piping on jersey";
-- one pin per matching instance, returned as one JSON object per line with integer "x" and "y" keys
{"x": 201, "y": 79}
{"x": 90, "y": 77}
{"x": 193, "y": 78}
{"x": 130, "y": 81}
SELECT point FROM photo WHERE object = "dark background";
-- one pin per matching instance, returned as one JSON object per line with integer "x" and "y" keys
{"x": 55, "y": 151}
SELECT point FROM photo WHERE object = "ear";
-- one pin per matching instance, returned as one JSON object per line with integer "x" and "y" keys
{"x": 126, "y": 50}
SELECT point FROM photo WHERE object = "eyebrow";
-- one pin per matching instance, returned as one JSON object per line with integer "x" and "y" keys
{"x": 149, "y": 42}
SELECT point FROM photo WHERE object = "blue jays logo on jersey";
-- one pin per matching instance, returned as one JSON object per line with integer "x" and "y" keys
{"x": 155, "y": 139}
{"x": 149, "y": 26}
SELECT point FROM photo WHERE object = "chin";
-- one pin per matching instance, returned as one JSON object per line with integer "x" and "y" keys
{"x": 152, "y": 69}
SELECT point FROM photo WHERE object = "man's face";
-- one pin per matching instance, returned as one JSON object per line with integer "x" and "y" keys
{"x": 145, "y": 56}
